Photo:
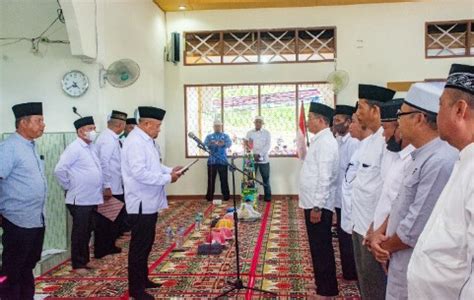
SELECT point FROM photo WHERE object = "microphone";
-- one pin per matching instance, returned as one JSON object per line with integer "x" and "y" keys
{"x": 197, "y": 140}
{"x": 74, "y": 110}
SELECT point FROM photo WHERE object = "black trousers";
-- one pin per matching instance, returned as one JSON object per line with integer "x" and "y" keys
{"x": 21, "y": 251}
{"x": 82, "y": 225}
{"x": 122, "y": 218}
{"x": 265, "y": 172}
{"x": 346, "y": 249}
{"x": 143, "y": 237}
{"x": 106, "y": 233}
{"x": 322, "y": 253}
{"x": 212, "y": 171}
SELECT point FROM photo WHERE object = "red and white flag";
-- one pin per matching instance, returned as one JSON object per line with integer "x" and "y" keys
{"x": 301, "y": 135}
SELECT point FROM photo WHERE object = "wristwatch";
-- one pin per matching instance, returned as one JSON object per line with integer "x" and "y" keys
{"x": 316, "y": 209}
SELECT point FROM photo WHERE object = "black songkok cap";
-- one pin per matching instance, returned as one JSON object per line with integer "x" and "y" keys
{"x": 344, "y": 110}
{"x": 28, "y": 109}
{"x": 461, "y": 77}
{"x": 131, "y": 121}
{"x": 118, "y": 115}
{"x": 83, "y": 122}
{"x": 375, "y": 93}
{"x": 322, "y": 109}
{"x": 151, "y": 112}
{"x": 388, "y": 110}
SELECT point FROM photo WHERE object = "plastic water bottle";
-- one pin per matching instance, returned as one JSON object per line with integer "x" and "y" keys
{"x": 198, "y": 220}
{"x": 169, "y": 233}
{"x": 180, "y": 238}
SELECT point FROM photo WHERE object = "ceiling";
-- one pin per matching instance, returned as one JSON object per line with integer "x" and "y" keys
{"x": 173, "y": 5}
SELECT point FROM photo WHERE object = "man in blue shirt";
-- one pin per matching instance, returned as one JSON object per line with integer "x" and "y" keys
{"x": 217, "y": 143}
{"x": 23, "y": 192}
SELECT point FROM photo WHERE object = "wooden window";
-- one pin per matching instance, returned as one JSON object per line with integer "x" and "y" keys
{"x": 203, "y": 48}
{"x": 316, "y": 44}
{"x": 449, "y": 39}
{"x": 236, "y": 105}
{"x": 260, "y": 46}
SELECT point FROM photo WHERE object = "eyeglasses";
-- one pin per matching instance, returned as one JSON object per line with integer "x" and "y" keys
{"x": 401, "y": 113}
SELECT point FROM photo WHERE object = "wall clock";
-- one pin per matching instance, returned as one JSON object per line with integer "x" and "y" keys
{"x": 75, "y": 83}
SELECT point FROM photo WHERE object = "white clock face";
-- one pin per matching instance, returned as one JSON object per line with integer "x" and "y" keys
{"x": 75, "y": 83}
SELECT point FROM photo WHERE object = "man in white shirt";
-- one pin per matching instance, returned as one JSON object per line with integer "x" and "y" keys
{"x": 317, "y": 189}
{"x": 362, "y": 135}
{"x": 424, "y": 179}
{"x": 144, "y": 179}
{"x": 442, "y": 263}
{"x": 347, "y": 147}
{"x": 260, "y": 139}
{"x": 79, "y": 173}
{"x": 396, "y": 156}
{"x": 395, "y": 160}
{"x": 366, "y": 189}
{"x": 108, "y": 147}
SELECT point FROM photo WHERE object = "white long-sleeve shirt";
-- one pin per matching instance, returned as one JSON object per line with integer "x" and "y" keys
{"x": 442, "y": 263}
{"x": 348, "y": 178}
{"x": 109, "y": 151}
{"x": 144, "y": 177}
{"x": 261, "y": 143}
{"x": 79, "y": 173}
{"x": 367, "y": 186}
{"x": 318, "y": 175}
{"x": 347, "y": 146}
{"x": 394, "y": 163}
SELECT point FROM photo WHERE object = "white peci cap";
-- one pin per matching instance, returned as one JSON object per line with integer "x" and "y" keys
{"x": 425, "y": 96}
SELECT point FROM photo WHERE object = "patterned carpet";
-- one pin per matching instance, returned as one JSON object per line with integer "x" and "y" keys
{"x": 274, "y": 256}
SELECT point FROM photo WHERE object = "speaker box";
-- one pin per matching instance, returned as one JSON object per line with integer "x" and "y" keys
{"x": 175, "y": 47}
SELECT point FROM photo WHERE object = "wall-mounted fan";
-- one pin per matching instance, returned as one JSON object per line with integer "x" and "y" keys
{"x": 339, "y": 80}
{"x": 121, "y": 73}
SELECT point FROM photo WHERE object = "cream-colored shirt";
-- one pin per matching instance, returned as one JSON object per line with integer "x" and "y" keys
{"x": 442, "y": 263}
{"x": 392, "y": 184}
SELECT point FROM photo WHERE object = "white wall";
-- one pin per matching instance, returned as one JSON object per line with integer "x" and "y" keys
{"x": 132, "y": 29}
{"x": 375, "y": 44}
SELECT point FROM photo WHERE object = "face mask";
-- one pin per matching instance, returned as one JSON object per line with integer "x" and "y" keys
{"x": 91, "y": 135}
{"x": 340, "y": 128}
{"x": 393, "y": 146}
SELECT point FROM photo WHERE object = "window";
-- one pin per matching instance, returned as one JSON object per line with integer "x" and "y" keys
{"x": 260, "y": 46}
{"x": 236, "y": 105}
{"x": 449, "y": 39}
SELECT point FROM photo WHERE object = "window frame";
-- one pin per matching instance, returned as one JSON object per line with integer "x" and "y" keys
{"x": 259, "y": 45}
{"x": 467, "y": 53}
{"x": 258, "y": 84}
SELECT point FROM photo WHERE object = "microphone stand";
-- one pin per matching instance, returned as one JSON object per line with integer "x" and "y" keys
{"x": 237, "y": 284}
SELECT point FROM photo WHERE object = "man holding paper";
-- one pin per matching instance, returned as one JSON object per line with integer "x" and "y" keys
{"x": 144, "y": 179}
{"x": 108, "y": 147}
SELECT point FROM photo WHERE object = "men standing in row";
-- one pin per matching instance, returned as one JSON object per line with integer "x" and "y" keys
{"x": 23, "y": 193}
{"x": 144, "y": 180}
{"x": 442, "y": 263}
{"x": 347, "y": 147}
{"x": 424, "y": 179}
{"x": 367, "y": 188}
{"x": 260, "y": 139}
{"x": 79, "y": 173}
{"x": 317, "y": 189}
{"x": 217, "y": 143}
{"x": 108, "y": 147}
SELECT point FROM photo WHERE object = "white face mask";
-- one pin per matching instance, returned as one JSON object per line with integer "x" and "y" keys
{"x": 91, "y": 135}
